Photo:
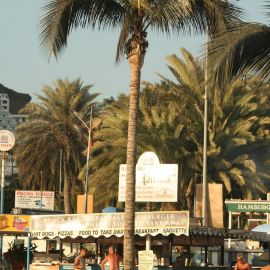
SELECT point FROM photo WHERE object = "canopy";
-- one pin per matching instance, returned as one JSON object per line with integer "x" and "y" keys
{"x": 108, "y": 224}
{"x": 262, "y": 228}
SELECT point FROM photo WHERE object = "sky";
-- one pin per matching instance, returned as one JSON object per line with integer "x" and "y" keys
{"x": 89, "y": 55}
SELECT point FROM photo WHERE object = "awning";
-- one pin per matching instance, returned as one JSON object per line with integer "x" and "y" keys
{"x": 242, "y": 234}
{"x": 108, "y": 224}
{"x": 207, "y": 231}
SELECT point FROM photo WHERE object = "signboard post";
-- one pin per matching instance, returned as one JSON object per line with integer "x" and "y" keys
{"x": 245, "y": 206}
{"x": 7, "y": 141}
{"x": 146, "y": 259}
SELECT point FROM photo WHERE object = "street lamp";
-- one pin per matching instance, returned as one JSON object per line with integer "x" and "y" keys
{"x": 205, "y": 125}
{"x": 88, "y": 154}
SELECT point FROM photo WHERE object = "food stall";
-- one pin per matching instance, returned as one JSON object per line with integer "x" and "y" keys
{"x": 170, "y": 234}
{"x": 104, "y": 229}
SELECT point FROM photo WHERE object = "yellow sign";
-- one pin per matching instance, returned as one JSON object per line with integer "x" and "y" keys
{"x": 14, "y": 223}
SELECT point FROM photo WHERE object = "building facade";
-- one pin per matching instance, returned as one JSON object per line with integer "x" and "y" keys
{"x": 11, "y": 102}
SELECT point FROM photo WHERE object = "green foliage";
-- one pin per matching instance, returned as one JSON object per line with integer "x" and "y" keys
{"x": 171, "y": 124}
{"x": 60, "y": 17}
{"x": 53, "y": 126}
{"x": 17, "y": 254}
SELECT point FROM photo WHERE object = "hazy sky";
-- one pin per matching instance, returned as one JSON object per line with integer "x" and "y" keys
{"x": 89, "y": 55}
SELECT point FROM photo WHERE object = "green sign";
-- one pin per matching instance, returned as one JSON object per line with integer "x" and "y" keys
{"x": 244, "y": 206}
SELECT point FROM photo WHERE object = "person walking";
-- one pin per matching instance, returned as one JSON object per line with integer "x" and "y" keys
{"x": 113, "y": 259}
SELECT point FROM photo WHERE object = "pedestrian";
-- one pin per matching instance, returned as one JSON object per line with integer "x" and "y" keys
{"x": 79, "y": 262}
{"x": 112, "y": 258}
{"x": 241, "y": 264}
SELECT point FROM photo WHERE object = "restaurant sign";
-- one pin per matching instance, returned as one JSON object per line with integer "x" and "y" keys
{"x": 108, "y": 224}
{"x": 247, "y": 206}
{"x": 14, "y": 223}
{"x": 31, "y": 199}
{"x": 154, "y": 183}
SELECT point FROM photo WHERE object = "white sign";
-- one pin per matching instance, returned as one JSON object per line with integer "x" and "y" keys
{"x": 146, "y": 259}
{"x": 154, "y": 183}
{"x": 7, "y": 140}
{"x": 108, "y": 224}
{"x": 148, "y": 158}
{"x": 31, "y": 199}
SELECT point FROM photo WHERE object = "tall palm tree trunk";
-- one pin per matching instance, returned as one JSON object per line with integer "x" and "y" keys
{"x": 135, "y": 62}
{"x": 67, "y": 187}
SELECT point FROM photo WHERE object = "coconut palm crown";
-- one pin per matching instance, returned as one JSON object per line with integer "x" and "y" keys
{"x": 133, "y": 17}
{"x": 244, "y": 48}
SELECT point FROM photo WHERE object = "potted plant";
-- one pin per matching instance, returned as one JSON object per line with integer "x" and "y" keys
{"x": 16, "y": 255}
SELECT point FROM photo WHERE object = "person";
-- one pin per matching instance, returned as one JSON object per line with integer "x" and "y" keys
{"x": 79, "y": 262}
{"x": 241, "y": 264}
{"x": 113, "y": 259}
{"x": 267, "y": 267}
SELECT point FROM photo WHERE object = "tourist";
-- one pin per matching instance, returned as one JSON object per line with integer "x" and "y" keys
{"x": 112, "y": 258}
{"x": 79, "y": 262}
{"x": 241, "y": 264}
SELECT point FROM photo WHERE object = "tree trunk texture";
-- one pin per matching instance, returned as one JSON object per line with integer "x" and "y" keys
{"x": 135, "y": 62}
{"x": 67, "y": 188}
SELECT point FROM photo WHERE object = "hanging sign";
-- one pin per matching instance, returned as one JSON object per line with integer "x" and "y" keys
{"x": 7, "y": 140}
{"x": 108, "y": 224}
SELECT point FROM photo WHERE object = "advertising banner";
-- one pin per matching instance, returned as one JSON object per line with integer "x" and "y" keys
{"x": 154, "y": 183}
{"x": 108, "y": 224}
{"x": 31, "y": 199}
{"x": 14, "y": 223}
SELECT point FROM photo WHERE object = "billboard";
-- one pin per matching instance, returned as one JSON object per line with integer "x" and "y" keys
{"x": 31, "y": 199}
{"x": 14, "y": 223}
{"x": 154, "y": 183}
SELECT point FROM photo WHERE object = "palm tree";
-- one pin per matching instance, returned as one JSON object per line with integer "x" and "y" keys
{"x": 241, "y": 49}
{"x": 238, "y": 127}
{"x": 51, "y": 127}
{"x": 134, "y": 18}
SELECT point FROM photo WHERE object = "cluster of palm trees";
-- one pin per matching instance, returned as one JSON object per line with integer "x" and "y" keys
{"x": 171, "y": 111}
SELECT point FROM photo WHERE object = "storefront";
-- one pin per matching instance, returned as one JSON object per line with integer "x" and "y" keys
{"x": 171, "y": 236}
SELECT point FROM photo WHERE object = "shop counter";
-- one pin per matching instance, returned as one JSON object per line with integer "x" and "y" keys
{"x": 69, "y": 266}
